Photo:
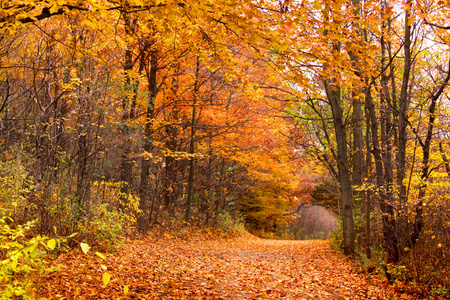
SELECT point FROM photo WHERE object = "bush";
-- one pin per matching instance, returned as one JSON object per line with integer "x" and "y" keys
{"x": 14, "y": 187}
{"x": 103, "y": 228}
{"x": 22, "y": 257}
{"x": 229, "y": 224}
{"x": 337, "y": 237}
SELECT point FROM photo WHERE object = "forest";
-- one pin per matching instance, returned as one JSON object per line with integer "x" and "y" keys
{"x": 123, "y": 118}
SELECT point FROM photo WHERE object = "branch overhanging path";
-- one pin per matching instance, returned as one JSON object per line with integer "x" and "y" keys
{"x": 238, "y": 268}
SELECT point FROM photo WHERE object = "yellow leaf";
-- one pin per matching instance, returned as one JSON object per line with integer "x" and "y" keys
{"x": 85, "y": 247}
{"x": 34, "y": 248}
{"x": 100, "y": 255}
{"x": 51, "y": 244}
{"x": 54, "y": 9}
{"x": 14, "y": 264}
{"x": 106, "y": 278}
{"x": 125, "y": 289}
{"x": 72, "y": 235}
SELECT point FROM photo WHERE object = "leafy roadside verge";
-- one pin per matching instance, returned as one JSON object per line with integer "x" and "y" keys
{"x": 246, "y": 267}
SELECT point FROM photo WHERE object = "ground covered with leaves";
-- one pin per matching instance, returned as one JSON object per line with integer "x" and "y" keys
{"x": 181, "y": 266}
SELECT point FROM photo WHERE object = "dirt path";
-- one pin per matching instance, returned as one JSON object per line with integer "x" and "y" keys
{"x": 242, "y": 268}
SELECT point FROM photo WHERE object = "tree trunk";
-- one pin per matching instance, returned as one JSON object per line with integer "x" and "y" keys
{"x": 144, "y": 218}
{"x": 83, "y": 188}
{"x": 444, "y": 159}
{"x": 334, "y": 97}
{"x": 388, "y": 217}
{"x": 368, "y": 170}
{"x": 357, "y": 115}
{"x": 192, "y": 146}
{"x": 126, "y": 163}
{"x": 403, "y": 107}
{"x": 170, "y": 171}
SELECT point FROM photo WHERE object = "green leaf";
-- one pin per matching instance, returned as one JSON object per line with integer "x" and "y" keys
{"x": 51, "y": 244}
{"x": 100, "y": 255}
{"x": 106, "y": 278}
{"x": 85, "y": 247}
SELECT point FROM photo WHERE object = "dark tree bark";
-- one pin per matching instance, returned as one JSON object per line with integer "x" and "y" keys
{"x": 128, "y": 113}
{"x": 357, "y": 115}
{"x": 403, "y": 106}
{"x": 387, "y": 210}
{"x": 368, "y": 194}
{"x": 444, "y": 159}
{"x": 151, "y": 71}
{"x": 190, "y": 190}
{"x": 334, "y": 97}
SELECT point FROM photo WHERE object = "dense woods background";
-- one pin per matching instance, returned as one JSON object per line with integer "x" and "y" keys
{"x": 121, "y": 116}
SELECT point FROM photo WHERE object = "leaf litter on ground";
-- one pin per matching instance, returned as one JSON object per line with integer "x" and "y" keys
{"x": 200, "y": 267}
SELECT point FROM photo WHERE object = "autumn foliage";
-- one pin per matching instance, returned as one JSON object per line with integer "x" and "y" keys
{"x": 117, "y": 117}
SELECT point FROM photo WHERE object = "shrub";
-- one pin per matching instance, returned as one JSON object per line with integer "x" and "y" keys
{"x": 14, "y": 187}
{"x": 22, "y": 257}
{"x": 229, "y": 224}
{"x": 103, "y": 228}
{"x": 337, "y": 237}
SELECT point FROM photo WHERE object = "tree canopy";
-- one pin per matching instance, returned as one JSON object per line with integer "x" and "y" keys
{"x": 152, "y": 112}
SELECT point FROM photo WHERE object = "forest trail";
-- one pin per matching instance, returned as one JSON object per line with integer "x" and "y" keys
{"x": 246, "y": 267}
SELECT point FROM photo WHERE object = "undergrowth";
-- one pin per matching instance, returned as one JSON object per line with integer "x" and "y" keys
{"x": 402, "y": 276}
